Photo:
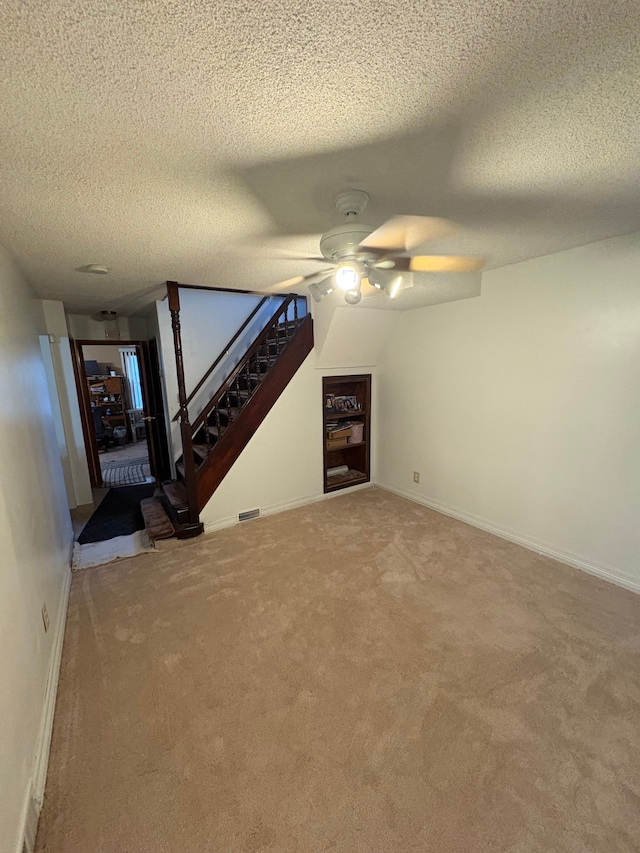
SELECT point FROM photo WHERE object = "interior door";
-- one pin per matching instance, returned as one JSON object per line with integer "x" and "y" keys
{"x": 88, "y": 429}
{"x": 159, "y": 460}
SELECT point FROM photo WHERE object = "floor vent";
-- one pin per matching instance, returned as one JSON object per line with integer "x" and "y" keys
{"x": 248, "y": 515}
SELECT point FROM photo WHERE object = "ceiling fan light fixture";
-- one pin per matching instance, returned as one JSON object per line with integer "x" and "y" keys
{"x": 393, "y": 289}
{"x": 348, "y": 277}
{"x": 352, "y": 297}
{"x": 320, "y": 289}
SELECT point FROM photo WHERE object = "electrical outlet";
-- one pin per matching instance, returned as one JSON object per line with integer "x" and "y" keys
{"x": 416, "y": 476}
{"x": 45, "y": 617}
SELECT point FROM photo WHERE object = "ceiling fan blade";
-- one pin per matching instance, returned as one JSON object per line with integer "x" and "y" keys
{"x": 439, "y": 263}
{"x": 299, "y": 281}
{"x": 404, "y": 233}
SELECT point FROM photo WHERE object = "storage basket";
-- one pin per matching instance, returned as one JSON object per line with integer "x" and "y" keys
{"x": 357, "y": 433}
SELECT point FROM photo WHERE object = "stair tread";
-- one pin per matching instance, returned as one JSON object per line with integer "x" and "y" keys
{"x": 156, "y": 521}
{"x": 176, "y": 494}
{"x": 201, "y": 450}
{"x": 180, "y": 469}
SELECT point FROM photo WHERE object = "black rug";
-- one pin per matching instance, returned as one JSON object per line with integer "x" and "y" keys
{"x": 118, "y": 514}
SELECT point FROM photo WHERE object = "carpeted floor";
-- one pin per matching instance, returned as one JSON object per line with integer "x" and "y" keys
{"x": 117, "y": 515}
{"x": 361, "y": 674}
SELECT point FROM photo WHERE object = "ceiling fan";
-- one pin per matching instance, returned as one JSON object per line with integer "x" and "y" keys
{"x": 367, "y": 261}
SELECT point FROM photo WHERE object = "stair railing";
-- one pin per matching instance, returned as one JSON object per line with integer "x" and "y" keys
{"x": 224, "y": 351}
{"x": 234, "y": 376}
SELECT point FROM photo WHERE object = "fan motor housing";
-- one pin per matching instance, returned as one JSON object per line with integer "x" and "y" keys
{"x": 344, "y": 241}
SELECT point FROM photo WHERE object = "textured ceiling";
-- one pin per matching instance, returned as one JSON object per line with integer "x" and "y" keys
{"x": 160, "y": 138}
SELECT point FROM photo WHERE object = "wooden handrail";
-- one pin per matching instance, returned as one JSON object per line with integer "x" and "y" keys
{"x": 226, "y": 386}
{"x": 224, "y": 350}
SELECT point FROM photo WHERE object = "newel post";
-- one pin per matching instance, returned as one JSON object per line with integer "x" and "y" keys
{"x": 185, "y": 426}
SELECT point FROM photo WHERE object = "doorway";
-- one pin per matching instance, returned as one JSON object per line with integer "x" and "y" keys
{"x": 114, "y": 382}
{"x": 119, "y": 391}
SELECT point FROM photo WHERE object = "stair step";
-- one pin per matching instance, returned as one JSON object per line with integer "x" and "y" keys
{"x": 156, "y": 521}
{"x": 173, "y": 497}
{"x": 229, "y": 413}
{"x": 215, "y": 432}
{"x": 180, "y": 469}
{"x": 201, "y": 451}
{"x": 176, "y": 494}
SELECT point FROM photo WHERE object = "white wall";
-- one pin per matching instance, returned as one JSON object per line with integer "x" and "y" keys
{"x": 64, "y": 397}
{"x": 348, "y": 336}
{"x": 35, "y": 538}
{"x": 520, "y": 409}
{"x": 84, "y": 327}
{"x": 282, "y": 466}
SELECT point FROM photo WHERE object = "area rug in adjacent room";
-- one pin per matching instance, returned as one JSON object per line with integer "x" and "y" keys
{"x": 118, "y": 514}
{"x": 125, "y": 472}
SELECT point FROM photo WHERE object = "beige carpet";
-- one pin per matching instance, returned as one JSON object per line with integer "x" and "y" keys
{"x": 362, "y": 674}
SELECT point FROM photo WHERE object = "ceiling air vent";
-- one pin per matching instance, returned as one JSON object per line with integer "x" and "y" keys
{"x": 248, "y": 515}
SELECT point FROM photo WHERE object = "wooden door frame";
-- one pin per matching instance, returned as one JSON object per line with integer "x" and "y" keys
{"x": 82, "y": 387}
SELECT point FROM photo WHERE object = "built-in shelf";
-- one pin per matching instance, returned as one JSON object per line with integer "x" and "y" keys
{"x": 331, "y": 415}
{"x": 355, "y": 457}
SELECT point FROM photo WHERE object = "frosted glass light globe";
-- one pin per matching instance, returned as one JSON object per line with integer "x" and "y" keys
{"x": 347, "y": 277}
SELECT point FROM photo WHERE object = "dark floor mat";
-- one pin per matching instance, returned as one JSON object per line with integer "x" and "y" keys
{"x": 118, "y": 515}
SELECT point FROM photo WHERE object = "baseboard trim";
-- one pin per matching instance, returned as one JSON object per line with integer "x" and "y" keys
{"x": 34, "y": 795}
{"x": 273, "y": 509}
{"x": 606, "y": 573}
{"x": 46, "y": 726}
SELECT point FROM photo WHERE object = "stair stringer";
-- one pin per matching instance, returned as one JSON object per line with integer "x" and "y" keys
{"x": 236, "y": 437}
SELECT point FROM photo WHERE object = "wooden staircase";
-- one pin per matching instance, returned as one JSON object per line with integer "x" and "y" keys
{"x": 223, "y": 428}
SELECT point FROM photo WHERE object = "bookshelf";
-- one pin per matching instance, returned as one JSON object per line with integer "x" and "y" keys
{"x": 107, "y": 393}
{"x": 346, "y": 406}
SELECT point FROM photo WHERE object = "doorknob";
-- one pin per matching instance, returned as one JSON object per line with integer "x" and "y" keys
{"x": 149, "y": 418}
